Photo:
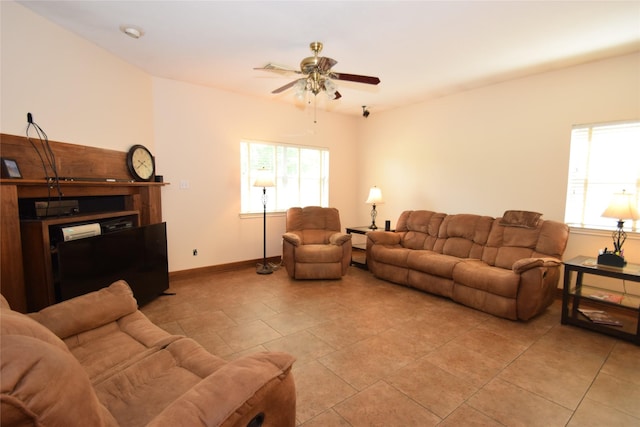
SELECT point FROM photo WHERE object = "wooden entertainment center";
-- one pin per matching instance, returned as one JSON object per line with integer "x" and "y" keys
{"x": 21, "y": 239}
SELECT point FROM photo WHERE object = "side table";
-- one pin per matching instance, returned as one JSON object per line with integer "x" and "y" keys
{"x": 618, "y": 312}
{"x": 358, "y": 246}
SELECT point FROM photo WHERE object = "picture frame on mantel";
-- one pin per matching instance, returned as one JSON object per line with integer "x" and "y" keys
{"x": 10, "y": 169}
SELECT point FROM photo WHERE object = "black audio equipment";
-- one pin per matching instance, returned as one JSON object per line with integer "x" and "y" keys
{"x": 44, "y": 209}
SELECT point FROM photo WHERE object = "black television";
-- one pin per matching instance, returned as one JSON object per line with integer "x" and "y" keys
{"x": 137, "y": 255}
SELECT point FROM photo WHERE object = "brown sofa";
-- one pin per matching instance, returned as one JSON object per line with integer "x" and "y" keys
{"x": 313, "y": 246}
{"x": 507, "y": 266}
{"x": 96, "y": 360}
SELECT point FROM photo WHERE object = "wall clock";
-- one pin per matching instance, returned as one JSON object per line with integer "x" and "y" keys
{"x": 140, "y": 163}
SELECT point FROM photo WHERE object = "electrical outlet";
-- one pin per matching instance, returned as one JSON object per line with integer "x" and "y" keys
{"x": 195, "y": 252}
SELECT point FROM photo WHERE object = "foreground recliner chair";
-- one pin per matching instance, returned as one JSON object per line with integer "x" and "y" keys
{"x": 95, "y": 360}
{"x": 313, "y": 246}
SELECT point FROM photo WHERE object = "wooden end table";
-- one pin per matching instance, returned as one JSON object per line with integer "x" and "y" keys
{"x": 621, "y": 307}
{"x": 359, "y": 230}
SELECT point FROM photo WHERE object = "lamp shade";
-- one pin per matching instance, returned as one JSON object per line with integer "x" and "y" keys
{"x": 375, "y": 196}
{"x": 622, "y": 206}
{"x": 264, "y": 179}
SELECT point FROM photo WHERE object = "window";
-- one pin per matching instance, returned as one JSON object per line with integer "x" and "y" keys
{"x": 301, "y": 176}
{"x": 604, "y": 160}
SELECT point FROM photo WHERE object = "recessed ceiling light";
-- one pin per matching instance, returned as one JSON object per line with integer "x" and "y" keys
{"x": 132, "y": 31}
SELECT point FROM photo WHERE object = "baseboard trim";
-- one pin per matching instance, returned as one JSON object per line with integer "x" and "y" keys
{"x": 201, "y": 271}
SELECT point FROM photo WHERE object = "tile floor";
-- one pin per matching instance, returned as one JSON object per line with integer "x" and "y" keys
{"x": 371, "y": 353}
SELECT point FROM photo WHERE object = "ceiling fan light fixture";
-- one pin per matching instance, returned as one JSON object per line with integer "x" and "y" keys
{"x": 301, "y": 89}
{"x": 318, "y": 75}
{"x": 330, "y": 88}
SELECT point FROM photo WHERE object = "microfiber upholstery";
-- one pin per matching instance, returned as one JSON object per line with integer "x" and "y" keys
{"x": 313, "y": 246}
{"x": 96, "y": 360}
{"x": 508, "y": 266}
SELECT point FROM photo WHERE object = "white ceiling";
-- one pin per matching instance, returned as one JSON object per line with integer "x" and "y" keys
{"x": 419, "y": 49}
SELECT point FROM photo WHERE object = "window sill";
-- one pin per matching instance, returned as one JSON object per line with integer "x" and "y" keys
{"x": 260, "y": 214}
{"x": 631, "y": 235}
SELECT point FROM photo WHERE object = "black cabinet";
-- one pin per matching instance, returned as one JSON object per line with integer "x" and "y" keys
{"x": 56, "y": 269}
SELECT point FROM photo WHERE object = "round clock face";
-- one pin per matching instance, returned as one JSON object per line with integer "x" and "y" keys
{"x": 140, "y": 163}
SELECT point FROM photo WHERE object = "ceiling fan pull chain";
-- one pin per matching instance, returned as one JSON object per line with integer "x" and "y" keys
{"x": 315, "y": 109}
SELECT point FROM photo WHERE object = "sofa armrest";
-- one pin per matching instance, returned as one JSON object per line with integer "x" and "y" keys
{"x": 339, "y": 238}
{"x": 525, "y": 264}
{"x": 292, "y": 238}
{"x": 384, "y": 237}
{"x": 88, "y": 311}
{"x": 236, "y": 393}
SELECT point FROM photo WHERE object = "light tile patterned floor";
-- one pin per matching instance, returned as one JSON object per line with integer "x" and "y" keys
{"x": 371, "y": 353}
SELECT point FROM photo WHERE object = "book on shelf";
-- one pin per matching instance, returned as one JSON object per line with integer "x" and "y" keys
{"x": 605, "y": 296}
{"x": 599, "y": 316}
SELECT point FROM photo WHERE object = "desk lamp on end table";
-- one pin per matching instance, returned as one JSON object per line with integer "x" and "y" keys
{"x": 622, "y": 207}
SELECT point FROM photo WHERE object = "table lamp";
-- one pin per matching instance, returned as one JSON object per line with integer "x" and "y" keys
{"x": 375, "y": 198}
{"x": 622, "y": 207}
{"x": 264, "y": 180}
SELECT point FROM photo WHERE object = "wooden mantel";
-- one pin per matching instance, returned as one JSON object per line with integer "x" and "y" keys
{"x": 82, "y": 163}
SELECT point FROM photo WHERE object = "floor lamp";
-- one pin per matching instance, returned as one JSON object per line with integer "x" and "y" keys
{"x": 264, "y": 181}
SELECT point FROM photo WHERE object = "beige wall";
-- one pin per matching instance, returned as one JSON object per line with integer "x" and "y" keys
{"x": 499, "y": 147}
{"x": 198, "y": 132}
{"x": 81, "y": 94}
{"x": 77, "y": 92}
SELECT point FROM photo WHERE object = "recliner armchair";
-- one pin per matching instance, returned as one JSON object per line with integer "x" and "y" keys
{"x": 313, "y": 245}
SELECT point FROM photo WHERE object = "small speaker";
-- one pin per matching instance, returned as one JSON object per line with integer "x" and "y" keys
{"x": 387, "y": 225}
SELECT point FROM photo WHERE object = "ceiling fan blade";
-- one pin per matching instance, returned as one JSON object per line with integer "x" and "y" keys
{"x": 325, "y": 64}
{"x": 356, "y": 78}
{"x": 287, "y": 86}
{"x": 278, "y": 69}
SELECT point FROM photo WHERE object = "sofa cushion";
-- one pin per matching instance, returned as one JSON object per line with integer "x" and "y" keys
{"x": 111, "y": 347}
{"x": 432, "y": 263}
{"x": 14, "y": 323}
{"x": 315, "y": 237}
{"x": 552, "y": 240}
{"x": 45, "y": 385}
{"x": 313, "y": 217}
{"x": 90, "y": 311}
{"x": 507, "y": 244}
{"x": 318, "y": 253}
{"x": 479, "y": 275}
{"x": 136, "y": 393}
{"x": 420, "y": 228}
{"x": 393, "y": 255}
{"x": 463, "y": 235}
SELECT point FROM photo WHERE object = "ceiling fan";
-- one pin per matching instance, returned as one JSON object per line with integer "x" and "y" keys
{"x": 318, "y": 75}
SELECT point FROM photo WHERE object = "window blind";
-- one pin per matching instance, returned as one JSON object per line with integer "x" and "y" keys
{"x": 604, "y": 160}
